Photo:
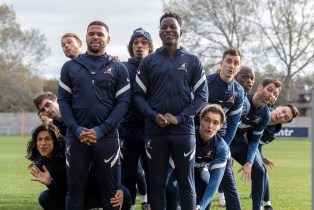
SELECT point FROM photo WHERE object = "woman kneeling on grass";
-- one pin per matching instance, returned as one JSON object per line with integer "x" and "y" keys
{"x": 46, "y": 150}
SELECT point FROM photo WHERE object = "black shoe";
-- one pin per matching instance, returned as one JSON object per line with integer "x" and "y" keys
{"x": 268, "y": 207}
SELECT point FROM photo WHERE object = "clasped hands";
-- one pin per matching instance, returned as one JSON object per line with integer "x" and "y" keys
{"x": 165, "y": 120}
{"x": 88, "y": 136}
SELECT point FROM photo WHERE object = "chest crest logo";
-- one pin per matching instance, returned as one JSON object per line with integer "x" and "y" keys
{"x": 183, "y": 67}
{"x": 109, "y": 71}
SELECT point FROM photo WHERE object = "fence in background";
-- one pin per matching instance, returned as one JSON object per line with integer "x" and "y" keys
{"x": 23, "y": 123}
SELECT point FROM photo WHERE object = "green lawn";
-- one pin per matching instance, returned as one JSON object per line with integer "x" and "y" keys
{"x": 290, "y": 180}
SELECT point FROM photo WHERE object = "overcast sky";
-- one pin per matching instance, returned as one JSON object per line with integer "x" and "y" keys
{"x": 57, "y": 17}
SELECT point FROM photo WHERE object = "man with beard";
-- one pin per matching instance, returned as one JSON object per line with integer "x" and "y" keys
{"x": 244, "y": 149}
{"x": 93, "y": 95}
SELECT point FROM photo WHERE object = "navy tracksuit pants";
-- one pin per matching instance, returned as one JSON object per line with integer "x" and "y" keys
{"x": 182, "y": 150}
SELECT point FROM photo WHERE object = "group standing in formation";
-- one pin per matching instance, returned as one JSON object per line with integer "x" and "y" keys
{"x": 155, "y": 123}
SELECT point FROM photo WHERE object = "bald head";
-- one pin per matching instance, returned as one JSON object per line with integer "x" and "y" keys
{"x": 246, "y": 78}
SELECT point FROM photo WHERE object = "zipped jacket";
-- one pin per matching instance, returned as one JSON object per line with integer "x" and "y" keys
{"x": 173, "y": 84}
{"x": 133, "y": 119}
{"x": 93, "y": 92}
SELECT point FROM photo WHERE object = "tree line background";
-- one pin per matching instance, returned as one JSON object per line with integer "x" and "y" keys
{"x": 276, "y": 38}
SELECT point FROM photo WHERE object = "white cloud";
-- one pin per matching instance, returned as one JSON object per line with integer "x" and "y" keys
{"x": 55, "y": 18}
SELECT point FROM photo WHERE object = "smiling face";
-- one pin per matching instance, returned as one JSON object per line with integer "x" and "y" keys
{"x": 140, "y": 47}
{"x": 169, "y": 32}
{"x": 44, "y": 144}
{"x": 97, "y": 39}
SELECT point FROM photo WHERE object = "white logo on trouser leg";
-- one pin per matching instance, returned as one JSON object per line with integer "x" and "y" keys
{"x": 191, "y": 153}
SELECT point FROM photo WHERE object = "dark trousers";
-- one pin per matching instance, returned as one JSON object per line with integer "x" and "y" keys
{"x": 51, "y": 201}
{"x": 105, "y": 156}
{"x": 201, "y": 181}
{"x": 159, "y": 148}
{"x": 239, "y": 149}
{"x": 133, "y": 152}
{"x": 172, "y": 192}
{"x": 229, "y": 187}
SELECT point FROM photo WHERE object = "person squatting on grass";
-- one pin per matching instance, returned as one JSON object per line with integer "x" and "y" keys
{"x": 47, "y": 104}
{"x": 211, "y": 155}
{"x": 46, "y": 150}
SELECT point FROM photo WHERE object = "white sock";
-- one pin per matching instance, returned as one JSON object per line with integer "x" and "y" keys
{"x": 143, "y": 198}
{"x": 221, "y": 196}
{"x": 132, "y": 207}
{"x": 266, "y": 203}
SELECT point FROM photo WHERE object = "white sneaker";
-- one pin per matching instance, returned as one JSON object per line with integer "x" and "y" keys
{"x": 221, "y": 202}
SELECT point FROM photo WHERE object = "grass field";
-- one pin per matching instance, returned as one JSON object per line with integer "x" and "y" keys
{"x": 290, "y": 180}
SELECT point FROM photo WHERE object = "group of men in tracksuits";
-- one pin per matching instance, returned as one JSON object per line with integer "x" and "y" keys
{"x": 165, "y": 82}
{"x": 154, "y": 99}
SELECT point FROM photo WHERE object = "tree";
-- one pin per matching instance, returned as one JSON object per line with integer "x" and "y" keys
{"x": 21, "y": 52}
{"x": 288, "y": 27}
{"x": 212, "y": 26}
{"x": 19, "y": 47}
{"x": 51, "y": 85}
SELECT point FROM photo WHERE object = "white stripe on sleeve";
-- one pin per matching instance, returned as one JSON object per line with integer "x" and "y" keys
{"x": 65, "y": 87}
{"x": 141, "y": 84}
{"x": 220, "y": 165}
{"x": 258, "y": 132}
{"x": 199, "y": 83}
{"x": 236, "y": 111}
{"x": 122, "y": 90}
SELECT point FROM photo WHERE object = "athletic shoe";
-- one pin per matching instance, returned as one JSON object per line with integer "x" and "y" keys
{"x": 221, "y": 202}
{"x": 268, "y": 207}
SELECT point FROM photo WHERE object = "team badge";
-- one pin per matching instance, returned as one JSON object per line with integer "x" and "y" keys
{"x": 256, "y": 119}
{"x": 183, "y": 67}
{"x": 209, "y": 154}
{"x": 109, "y": 71}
